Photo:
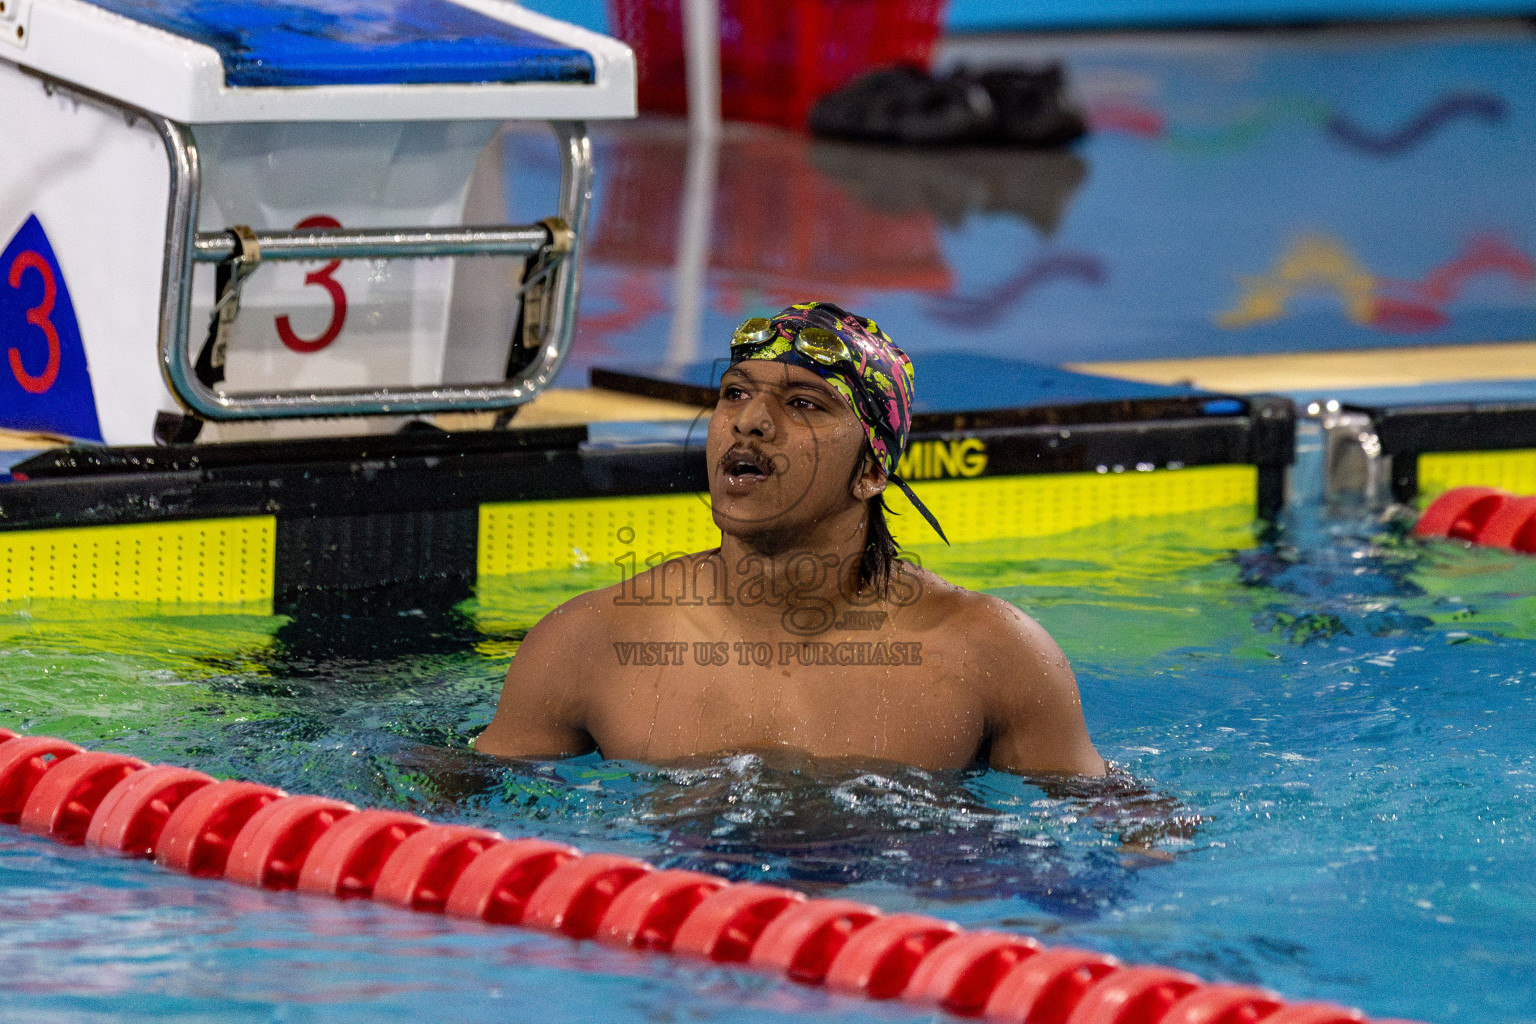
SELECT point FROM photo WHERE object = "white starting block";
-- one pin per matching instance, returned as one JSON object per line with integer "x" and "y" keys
{"x": 304, "y": 166}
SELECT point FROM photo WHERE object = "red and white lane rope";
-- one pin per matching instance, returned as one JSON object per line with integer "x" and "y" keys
{"x": 260, "y": 836}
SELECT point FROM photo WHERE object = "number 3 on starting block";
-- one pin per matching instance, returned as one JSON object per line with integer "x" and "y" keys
{"x": 323, "y": 278}
{"x": 44, "y": 382}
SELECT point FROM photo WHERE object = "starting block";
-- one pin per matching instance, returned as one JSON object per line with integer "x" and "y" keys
{"x": 249, "y": 209}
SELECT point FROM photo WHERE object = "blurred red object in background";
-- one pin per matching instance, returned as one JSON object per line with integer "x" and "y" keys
{"x": 776, "y": 58}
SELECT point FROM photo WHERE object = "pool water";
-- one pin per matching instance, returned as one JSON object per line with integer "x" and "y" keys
{"x": 1326, "y": 739}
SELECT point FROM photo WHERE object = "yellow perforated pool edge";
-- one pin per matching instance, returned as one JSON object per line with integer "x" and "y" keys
{"x": 227, "y": 563}
{"x": 530, "y": 536}
{"x": 1513, "y": 471}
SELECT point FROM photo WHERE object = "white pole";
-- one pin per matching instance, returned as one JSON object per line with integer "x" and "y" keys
{"x": 701, "y": 40}
{"x": 693, "y": 237}
{"x": 701, "y": 48}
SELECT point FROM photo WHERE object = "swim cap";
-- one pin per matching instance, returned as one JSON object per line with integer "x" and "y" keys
{"x": 858, "y": 359}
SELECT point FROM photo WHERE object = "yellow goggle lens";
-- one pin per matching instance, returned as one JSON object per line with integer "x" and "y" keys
{"x": 753, "y": 332}
{"x": 821, "y": 345}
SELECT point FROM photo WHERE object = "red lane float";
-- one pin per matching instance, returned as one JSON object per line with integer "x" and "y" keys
{"x": 802, "y": 942}
{"x": 1512, "y": 526}
{"x": 963, "y": 972}
{"x": 649, "y": 911}
{"x": 347, "y": 860}
{"x": 727, "y": 924}
{"x": 1044, "y": 989}
{"x": 495, "y": 887}
{"x": 130, "y": 817}
{"x": 1314, "y": 1013}
{"x": 62, "y": 803}
{"x": 1223, "y": 1004}
{"x": 1132, "y": 995}
{"x": 269, "y": 850}
{"x": 1482, "y": 515}
{"x": 1460, "y": 512}
{"x": 24, "y": 760}
{"x": 198, "y": 834}
{"x": 261, "y": 836}
{"x": 576, "y": 895}
{"x": 422, "y": 870}
{"x": 877, "y": 961}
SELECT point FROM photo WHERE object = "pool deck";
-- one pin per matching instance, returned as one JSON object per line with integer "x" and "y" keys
{"x": 1301, "y": 374}
{"x": 1327, "y": 373}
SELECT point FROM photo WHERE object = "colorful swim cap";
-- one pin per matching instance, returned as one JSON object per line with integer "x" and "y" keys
{"x": 861, "y": 363}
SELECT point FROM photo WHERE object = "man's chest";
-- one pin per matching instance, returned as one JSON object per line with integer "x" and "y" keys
{"x": 879, "y": 652}
{"x": 873, "y": 693}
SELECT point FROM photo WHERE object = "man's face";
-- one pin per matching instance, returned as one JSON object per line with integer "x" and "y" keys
{"x": 782, "y": 449}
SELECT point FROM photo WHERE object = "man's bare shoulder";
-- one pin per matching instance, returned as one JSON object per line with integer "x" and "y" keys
{"x": 1020, "y": 677}
{"x": 655, "y": 590}
{"x": 940, "y": 600}
{"x": 548, "y": 693}
{"x": 579, "y": 616}
{"x": 993, "y": 631}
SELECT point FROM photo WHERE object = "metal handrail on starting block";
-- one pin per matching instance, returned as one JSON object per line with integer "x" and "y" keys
{"x": 549, "y": 291}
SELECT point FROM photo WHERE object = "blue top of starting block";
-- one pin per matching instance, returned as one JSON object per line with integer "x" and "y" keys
{"x": 360, "y": 42}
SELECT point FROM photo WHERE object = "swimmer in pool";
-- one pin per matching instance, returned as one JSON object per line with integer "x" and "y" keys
{"x": 805, "y": 628}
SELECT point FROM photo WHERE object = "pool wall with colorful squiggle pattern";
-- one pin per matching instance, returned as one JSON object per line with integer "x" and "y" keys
{"x": 1252, "y": 193}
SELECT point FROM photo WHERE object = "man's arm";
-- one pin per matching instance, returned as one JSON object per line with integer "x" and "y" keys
{"x": 1034, "y": 714}
{"x": 542, "y": 709}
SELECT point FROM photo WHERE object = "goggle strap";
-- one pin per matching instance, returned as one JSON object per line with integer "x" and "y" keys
{"x": 917, "y": 503}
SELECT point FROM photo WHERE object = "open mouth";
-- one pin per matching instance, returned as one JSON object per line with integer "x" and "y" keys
{"x": 743, "y": 464}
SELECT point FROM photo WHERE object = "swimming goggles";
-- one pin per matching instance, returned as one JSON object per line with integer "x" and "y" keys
{"x": 815, "y": 343}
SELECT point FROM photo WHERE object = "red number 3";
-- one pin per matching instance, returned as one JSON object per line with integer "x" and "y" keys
{"x": 323, "y": 278}
{"x": 37, "y": 316}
